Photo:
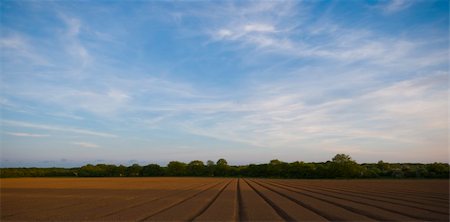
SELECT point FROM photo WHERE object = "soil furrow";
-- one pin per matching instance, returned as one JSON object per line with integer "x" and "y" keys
{"x": 407, "y": 199}
{"x": 254, "y": 207}
{"x": 294, "y": 211}
{"x": 153, "y": 199}
{"x": 349, "y": 208}
{"x": 142, "y": 211}
{"x": 440, "y": 197}
{"x": 369, "y": 197}
{"x": 225, "y": 207}
{"x": 239, "y": 202}
{"x": 49, "y": 209}
{"x": 329, "y": 211}
{"x": 222, "y": 199}
{"x": 407, "y": 187}
{"x": 210, "y": 203}
{"x": 36, "y": 212}
{"x": 387, "y": 210}
{"x": 277, "y": 209}
{"x": 418, "y": 194}
{"x": 177, "y": 203}
{"x": 411, "y": 214}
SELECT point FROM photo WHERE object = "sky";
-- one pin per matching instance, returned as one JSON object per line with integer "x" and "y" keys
{"x": 125, "y": 82}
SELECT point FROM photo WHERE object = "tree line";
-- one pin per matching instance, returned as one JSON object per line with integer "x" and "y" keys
{"x": 340, "y": 166}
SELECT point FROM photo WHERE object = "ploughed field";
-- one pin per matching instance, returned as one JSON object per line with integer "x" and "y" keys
{"x": 222, "y": 199}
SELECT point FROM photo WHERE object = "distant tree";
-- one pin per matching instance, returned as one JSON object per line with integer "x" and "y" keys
{"x": 38, "y": 172}
{"x": 275, "y": 162}
{"x": 385, "y": 169}
{"x": 152, "y": 170}
{"x": 99, "y": 170}
{"x": 210, "y": 167}
{"x": 370, "y": 171}
{"x": 323, "y": 170}
{"x": 134, "y": 170}
{"x": 221, "y": 168}
{"x": 222, "y": 162}
{"x": 120, "y": 171}
{"x": 342, "y": 158}
{"x": 176, "y": 168}
{"x": 342, "y": 166}
{"x": 90, "y": 170}
{"x": 421, "y": 172}
{"x": 438, "y": 170}
{"x": 233, "y": 171}
{"x": 277, "y": 169}
{"x": 397, "y": 173}
{"x": 301, "y": 170}
{"x": 196, "y": 168}
{"x": 256, "y": 170}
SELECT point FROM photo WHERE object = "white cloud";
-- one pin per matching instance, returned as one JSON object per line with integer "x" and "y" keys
{"x": 259, "y": 28}
{"x": 223, "y": 33}
{"x": 65, "y": 115}
{"x": 311, "y": 84}
{"x": 397, "y": 5}
{"x": 251, "y": 22}
{"x": 394, "y": 114}
{"x": 109, "y": 98}
{"x": 101, "y": 103}
{"x": 75, "y": 47}
{"x": 74, "y": 26}
{"x": 18, "y": 47}
{"x": 14, "y": 42}
{"x": 286, "y": 33}
{"x": 20, "y": 134}
{"x": 55, "y": 128}
{"x": 244, "y": 32}
{"x": 86, "y": 144}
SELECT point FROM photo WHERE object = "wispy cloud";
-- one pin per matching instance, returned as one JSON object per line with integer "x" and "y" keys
{"x": 75, "y": 47}
{"x": 109, "y": 98}
{"x": 20, "y": 134}
{"x": 244, "y": 31}
{"x": 285, "y": 34}
{"x": 54, "y": 128}
{"x": 278, "y": 77}
{"x": 394, "y": 114}
{"x": 16, "y": 47}
{"x": 259, "y": 28}
{"x": 396, "y": 5}
{"x": 86, "y": 144}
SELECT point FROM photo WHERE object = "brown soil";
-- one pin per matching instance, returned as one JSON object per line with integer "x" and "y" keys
{"x": 222, "y": 199}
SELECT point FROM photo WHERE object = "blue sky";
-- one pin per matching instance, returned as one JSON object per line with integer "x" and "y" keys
{"x": 250, "y": 81}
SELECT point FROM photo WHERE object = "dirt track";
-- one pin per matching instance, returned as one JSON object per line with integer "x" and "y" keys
{"x": 222, "y": 199}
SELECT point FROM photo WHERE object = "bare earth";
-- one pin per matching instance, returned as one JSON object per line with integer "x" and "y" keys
{"x": 222, "y": 199}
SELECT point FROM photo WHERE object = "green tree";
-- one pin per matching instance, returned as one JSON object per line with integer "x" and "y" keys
{"x": 301, "y": 170}
{"x": 277, "y": 168}
{"x": 176, "y": 168}
{"x": 120, "y": 171}
{"x": 134, "y": 170}
{"x": 342, "y": 166}
{"x": 342, "y": 158}
{"x": 221, "y": 168}
{"x": 210, "y": 167}
{"x": 152, "y": 170}
{"x": 196, "y": 168}
{"x": 93, "y": 171}
{"x": 222, "y": 162}
{"x": 438, "y": 170}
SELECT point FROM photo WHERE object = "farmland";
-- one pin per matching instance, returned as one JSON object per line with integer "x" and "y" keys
{"x": 222, "y": 199}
